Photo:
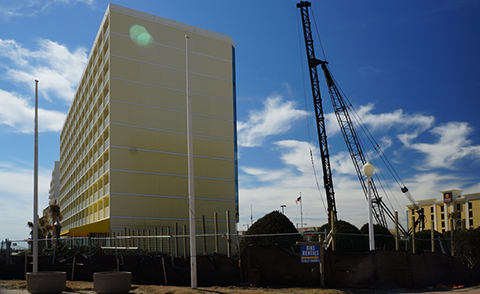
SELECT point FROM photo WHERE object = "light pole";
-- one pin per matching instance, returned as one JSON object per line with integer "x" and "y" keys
{"x": 35, "y": 187}
{"x": 191, "y": 189}
{"x": 368, "y": 172}
{"x": 283, "y": 206}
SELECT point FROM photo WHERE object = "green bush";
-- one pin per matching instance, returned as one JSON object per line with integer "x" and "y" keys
{"x": 466, "y": 247}
{"x": 348, "y": 237}
{"x": 384, "y": 240}
{"x": 423, "y": 242}
{"x": 273, "y": 223}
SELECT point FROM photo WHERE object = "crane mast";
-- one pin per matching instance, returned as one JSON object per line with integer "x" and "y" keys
{"x": 319, "y": 118}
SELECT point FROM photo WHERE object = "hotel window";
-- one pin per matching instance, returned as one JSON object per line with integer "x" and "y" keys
{"x": 459, "y": 207}
{"x": 443, "y": 224}
{"x": 442, "y": 208}
{"x": 431, "y": 209}
{"x": 470, "y": 214}
{"x": 443, "y": 216}
{"x": 431, "y": 217}
{"x": 470, "y": 205}
{"x": 471, "y": 223}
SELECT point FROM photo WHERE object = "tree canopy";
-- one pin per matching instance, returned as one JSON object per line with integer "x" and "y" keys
{"x": 273, "y": 223}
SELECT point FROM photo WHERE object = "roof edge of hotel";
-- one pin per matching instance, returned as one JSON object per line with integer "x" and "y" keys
{"x": 151, "y": 17}
{"x": 169, "y": 22}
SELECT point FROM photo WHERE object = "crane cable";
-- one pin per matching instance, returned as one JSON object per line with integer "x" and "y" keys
{"x": 306, "y": 118}
{"x": 365, "y": 130}
{"x": 376, "y": 147}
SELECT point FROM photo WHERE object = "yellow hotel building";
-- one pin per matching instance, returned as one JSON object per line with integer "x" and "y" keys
{"x": 464, "y": 209}
{"x": 123, "y": 146}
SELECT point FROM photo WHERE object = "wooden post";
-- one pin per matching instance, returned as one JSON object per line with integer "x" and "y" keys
{"x": 155, "y": 243}
{"x": 432, "y": 237}
{"x": 129, "y": 240}
{"x": 322, "y": 266}
{"x": 332, "y": 219}
{"x": 164, "y": 271}
{"x": 451, "y": 241}
{"x": 73, "y": 267}
{"x": 215, "y": 220}
{"x": 124, "y": 241}
{"x": 161, "y": 239}
{"x": 413, "y": 234}
{"x": 25, "y": 273}
{"x": 176, "y": 239}
{"x": 89, "y": 250}
{"x": 185, "y": 241}
{"x": 169, "y": 241}
{"x": 204, "y": 237}
{"x": 150, "y": 245}
{"x": 229, "y": 248}
{"x": 396, "y": 232}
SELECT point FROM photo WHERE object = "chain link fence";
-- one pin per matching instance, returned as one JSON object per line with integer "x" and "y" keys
{"x": 227, "y": 244}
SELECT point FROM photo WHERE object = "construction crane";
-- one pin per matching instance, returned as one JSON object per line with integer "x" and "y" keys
{"x": 380, "y": 210}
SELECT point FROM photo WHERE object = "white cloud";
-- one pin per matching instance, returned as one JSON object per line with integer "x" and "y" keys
{"x": 452, "y": 146}
{"x": 277, "y": 186}
{"x": 266, "y": 175}
{"x": 297, "y": 154}
{"x": 283, "y": 185}
{"x": 16, "y": 194}
{"x": 276, "y": 118}
{"x": 382, "y": 121}
{"x": 57, "y": 69}
{"x": 342, "y": 163}
{"x": 16, "y": 113}
{"x": 29, "y": 8}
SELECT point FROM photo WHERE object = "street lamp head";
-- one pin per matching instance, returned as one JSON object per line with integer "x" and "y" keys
{"x": 368, "y": 169}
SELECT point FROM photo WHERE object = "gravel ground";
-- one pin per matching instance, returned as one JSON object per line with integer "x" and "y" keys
{"x": 19, "y": 287}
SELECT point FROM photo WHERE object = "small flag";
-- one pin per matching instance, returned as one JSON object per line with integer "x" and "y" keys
{"x": 299, "y": 199}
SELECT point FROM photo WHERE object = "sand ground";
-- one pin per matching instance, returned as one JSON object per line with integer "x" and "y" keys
{"x": 19, "y": 287}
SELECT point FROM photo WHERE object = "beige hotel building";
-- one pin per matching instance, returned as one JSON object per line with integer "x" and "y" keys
{"x": 123, "y": 146}
{"x": 454, "y": 207}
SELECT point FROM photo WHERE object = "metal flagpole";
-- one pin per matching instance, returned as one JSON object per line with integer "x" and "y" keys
{"x": 301, "y": 212}
{"x": 191, "y": 190}
{"x": 35, "y": 187}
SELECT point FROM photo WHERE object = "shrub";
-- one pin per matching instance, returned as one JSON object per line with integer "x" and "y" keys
{"x": 423, "y": 241}
{"x": 384, "y": 240}
{"x": 348, "y": 237}
{"x": 274, "y": 222}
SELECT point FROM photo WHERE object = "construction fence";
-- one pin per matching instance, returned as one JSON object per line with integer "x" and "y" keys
{"x": 178, "y": 245}
{"x": 273, "y": 259}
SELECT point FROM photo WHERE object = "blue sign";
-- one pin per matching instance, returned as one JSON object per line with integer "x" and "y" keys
{"x": 310, "y": 253}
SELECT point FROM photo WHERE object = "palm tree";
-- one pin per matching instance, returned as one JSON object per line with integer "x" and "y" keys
{"x": 44, "y": 227}
{"x": 56, "y": 216}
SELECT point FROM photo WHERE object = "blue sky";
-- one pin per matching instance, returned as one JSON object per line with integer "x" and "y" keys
{"x": 410, "y": 69}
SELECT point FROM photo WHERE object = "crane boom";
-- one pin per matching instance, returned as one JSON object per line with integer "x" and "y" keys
{"x": 319, "y": 118}
{"x": 355, "y": 149}
{"x": 380, "y": 210}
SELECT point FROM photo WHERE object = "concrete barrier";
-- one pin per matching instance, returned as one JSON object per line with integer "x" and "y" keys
{"x": 112, "y": 282}
{"x": 46, "y": 282}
